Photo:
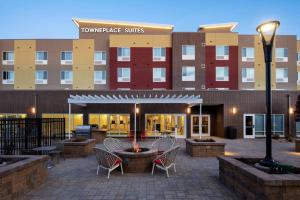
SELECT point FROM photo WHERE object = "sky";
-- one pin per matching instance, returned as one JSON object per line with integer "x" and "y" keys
{"x": 53, "y": 18}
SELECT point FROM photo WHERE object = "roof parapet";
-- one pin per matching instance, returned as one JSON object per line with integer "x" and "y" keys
{"x": 222, "y": 27}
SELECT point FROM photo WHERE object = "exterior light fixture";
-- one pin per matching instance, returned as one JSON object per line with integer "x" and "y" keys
{"x": 188, "y": 110}
{"x": 33, "y": 110}
{"x": 234, "y": 110}
{"x": 267, "y": 32}
{"x": 291, "y": 110}
{"x": 137, "y": 110}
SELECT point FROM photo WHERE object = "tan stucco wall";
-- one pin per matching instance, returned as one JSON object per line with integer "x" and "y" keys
{"x": 140, "y": 41}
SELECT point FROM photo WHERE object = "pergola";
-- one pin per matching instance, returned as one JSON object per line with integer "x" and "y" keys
{"x": 83, "y": 100}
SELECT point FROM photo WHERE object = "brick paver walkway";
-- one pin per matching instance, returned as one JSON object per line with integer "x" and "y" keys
{"x": 196, "y": 178}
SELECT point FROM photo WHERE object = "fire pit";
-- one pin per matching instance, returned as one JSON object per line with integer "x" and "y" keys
{"x": 137, "y": 159}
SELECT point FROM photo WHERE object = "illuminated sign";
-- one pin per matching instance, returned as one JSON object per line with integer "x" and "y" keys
{"x": 112, "y": 30}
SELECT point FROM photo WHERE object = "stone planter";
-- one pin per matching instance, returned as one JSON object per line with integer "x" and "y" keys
{"x": 297, "y": 145}
{"x": 204, "y": 149}
{"x": 251, "y": 183}
{"x": 22, "y": 175}
{"x": 79, "y": 149}
{"x": 98, "y": 135}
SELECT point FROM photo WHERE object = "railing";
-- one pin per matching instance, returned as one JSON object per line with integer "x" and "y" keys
{"x": 18, "y": 136}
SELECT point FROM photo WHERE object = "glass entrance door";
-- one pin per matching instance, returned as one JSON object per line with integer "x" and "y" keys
{"x": 249, "y": 126}
{"x": 205, "y": 125}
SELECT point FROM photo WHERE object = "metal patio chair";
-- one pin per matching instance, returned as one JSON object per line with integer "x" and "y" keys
{"x": 107, "y": 160}
{"x": 166, "y": 160}
{"x": 112, "y": 144}
{"x": 163, "y": 144}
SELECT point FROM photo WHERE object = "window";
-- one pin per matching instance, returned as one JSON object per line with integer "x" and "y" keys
{"x": 123, "y": 74}
{"x": 66, "y": 58}
{"x": 298, "y": 58}
{"x": 248, "y": 54}
{"x": 281, "y": 54}
{"x": 298, "y": 81}
{"x": 159, "y": 74}
{"x": 41, "y": 58}
{"x": 123, "y": 54}
{"x": 277, "y": 124}
{"x": 159, "y": 54}
{"x": 282, "y": 75}
{"x": 188, "y": 73}
{"x": 66, "y": 77}
{"x": 247, "y": 74}
{"x": 8, "y": 77}
{"x": 100, "y": 77}
{"x": 222, "y": 52}
{"x": 188, "y": 52}
{"x": 222, "y": 74}
{"x": 41, "y": 77}
{"x": 8, "y": 58}
{"x": 100, "y": 58}
{"x": 298, "y": 129}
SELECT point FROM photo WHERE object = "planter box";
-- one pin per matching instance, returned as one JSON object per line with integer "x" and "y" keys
{"x": 297, "y": 145}
{"x": 98, "y": 135}
{"x": 251, "y": 183}
{"x": 79, "y": 149}
{"x": 21, "y": 176}
{"x": 204, "y": 149}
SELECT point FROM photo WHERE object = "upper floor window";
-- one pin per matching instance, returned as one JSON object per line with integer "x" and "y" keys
{"x": 282, "y": 75}
{"x": 41, "y": 77}
{"x": 248, "y": 54}
{"x": 99, "y": 77}
{"x": 124, "y": 54}
{"x": 188, "y": 73}
{"x": 159, "y": 74}
{"x": 281, "y": 54}
{"x": 188, "y": 52}
{"x": 8, "y": 77}
{"x": 222, "y": 52}
{"x": 123, "y": 74}
{"x": 41, "y": 58}
{"x": 8, "y": 58}
{"x": 298, "y": 81}
{"x": 222, "y": 74}
{"x": 298, "y": 58}
{"x": 66, "y": 77}
{"x": 66, "y": 58}
{"x": 247, "y": 74}
{"x": 159, "y": 54}
{"x": 100, "y": 58}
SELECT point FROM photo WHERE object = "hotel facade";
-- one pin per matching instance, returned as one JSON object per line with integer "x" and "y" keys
{"x": 166, "y": 72}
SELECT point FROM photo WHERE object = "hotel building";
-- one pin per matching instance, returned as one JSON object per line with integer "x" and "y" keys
{"x": 164, "y": 71}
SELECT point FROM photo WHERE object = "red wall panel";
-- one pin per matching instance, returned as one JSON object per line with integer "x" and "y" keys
{"x": 141, "y": 66}
{"x": 210, "y": 70}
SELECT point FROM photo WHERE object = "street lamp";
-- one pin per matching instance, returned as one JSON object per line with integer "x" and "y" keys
{"x": 267, "y": 33}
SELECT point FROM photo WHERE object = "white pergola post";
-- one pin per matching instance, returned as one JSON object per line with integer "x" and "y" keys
{"x": 69, "y": 119}
{"x": 200, "y": 120}
{"x": 134, "y": 137}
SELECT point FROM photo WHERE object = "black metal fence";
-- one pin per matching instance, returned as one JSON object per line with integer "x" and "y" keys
{"x": 18, "y": 136}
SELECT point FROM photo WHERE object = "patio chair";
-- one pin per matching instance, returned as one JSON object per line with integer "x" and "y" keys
{"x": 107, "y": 160}
{"x": 163, "y": 144}
{"x": 58, "y": 152}
{"x": 166, "y": 160}
{"x": 112, "y": 144}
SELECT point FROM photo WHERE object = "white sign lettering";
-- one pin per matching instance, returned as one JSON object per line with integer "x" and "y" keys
{"x": 112, "y": 30}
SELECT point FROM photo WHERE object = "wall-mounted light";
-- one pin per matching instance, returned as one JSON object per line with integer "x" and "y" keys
{"x": 188, "y": 110}
{"x": 234, "y": 110}
{"x": 137, "y": 110}
{"x": 291, "y": 110}
{"x": 33, "y": 110}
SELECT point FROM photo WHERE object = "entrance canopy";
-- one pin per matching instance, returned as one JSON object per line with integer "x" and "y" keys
{"x": 82, "y": 100}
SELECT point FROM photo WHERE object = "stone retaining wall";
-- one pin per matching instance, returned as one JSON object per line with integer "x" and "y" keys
{"x": 204, "y": 149}
{"x": 79, "y": 149}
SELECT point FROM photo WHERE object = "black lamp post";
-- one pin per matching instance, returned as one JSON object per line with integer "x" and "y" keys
{"x": 267, "y": 33}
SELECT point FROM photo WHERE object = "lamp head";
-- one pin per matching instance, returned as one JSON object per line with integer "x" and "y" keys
{"x": 267, "y": 30}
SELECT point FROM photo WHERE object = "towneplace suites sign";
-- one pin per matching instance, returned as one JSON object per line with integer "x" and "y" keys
{"x": 112, "y": 30}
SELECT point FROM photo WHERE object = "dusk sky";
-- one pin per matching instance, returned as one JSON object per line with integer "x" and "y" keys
{"x": 52, "y": 19}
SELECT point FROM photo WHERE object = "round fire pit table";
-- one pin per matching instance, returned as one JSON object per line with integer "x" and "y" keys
{"x": 137, "y": 162}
